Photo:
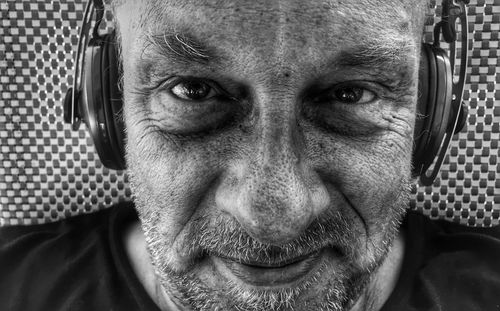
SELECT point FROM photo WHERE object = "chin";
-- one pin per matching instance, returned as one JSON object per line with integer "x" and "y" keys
{"x": 328, "y": 285}
{"x": 330, "y": 279}
{"x": 213, "y": 264}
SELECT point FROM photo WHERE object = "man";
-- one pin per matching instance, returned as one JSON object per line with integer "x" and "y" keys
{"x": 269, "y": 148}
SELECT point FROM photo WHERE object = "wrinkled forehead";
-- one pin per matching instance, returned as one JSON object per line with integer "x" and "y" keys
{"x": 261, "y": 19}
{"x": 291, "y": 32}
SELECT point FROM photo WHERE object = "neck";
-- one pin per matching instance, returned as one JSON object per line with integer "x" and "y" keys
{"x": 384, "y": 281}
{"x": 138, "y": 256}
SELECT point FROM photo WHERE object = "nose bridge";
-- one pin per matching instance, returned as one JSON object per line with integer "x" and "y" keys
{"x": 277, "y": 137}
{"x": 277, "y": 141}
{"x": 277, "y": 205}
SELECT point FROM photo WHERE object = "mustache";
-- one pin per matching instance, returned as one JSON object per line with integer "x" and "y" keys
{"x": 225, "y": 237}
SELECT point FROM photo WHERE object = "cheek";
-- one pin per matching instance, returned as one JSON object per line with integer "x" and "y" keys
{"x": 371, "y": 173}
{"x": 169, "y": 177}
{"x": 382, "y": 191}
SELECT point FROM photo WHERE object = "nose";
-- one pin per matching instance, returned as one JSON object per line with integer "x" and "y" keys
{"x": 272, "y": 193}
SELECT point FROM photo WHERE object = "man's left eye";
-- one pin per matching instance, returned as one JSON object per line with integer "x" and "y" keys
{"x": 193, "y": 90}
{"x": 348, "y": 94}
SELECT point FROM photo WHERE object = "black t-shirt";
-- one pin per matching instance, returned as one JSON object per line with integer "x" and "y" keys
{"x": 79, "y": 264}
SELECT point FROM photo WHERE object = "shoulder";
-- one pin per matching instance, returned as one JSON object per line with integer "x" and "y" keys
{"x": 455, "y": 248}
{"x": 443, "y": 236}
{"x": 60, "y": 234}
{"x": 15, "y": 236}
{"x": 455, "y": 267}
{"x": 49, "y": 261}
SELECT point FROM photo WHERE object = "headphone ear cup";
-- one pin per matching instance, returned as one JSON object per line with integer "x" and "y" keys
{"x": 98, "y": 110}
{"x": 434, "y": 105}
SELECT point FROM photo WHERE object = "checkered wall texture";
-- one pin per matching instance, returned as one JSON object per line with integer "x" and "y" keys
{"x": 48, "y": 172}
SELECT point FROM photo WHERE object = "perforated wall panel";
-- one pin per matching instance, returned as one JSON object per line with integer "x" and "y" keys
{"x": 48, "y": 171}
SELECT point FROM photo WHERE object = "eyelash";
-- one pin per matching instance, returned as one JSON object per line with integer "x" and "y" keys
{"x": 364, "y": 86}
{"x": 169, "y": 84}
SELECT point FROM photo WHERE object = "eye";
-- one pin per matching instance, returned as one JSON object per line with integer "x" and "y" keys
{"x": 348, "y": 94}
{"x": 193, "y": 90}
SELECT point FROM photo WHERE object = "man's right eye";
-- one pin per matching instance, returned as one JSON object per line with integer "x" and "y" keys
{"x": 193, "y": 90}
{"x": 192, "y": 105}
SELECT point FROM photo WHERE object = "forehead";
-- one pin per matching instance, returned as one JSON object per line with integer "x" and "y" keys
{"x": 374, "y": 10}
{"x": 264, "y": 20}
{"x": 263, "y": 35}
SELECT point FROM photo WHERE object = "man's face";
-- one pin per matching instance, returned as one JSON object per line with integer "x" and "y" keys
{"x": 269, "y": 145}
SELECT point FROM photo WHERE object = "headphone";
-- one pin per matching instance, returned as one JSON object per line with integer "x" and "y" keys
{"x": 96, "y": 96}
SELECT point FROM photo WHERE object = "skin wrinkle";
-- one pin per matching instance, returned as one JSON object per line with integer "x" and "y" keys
{"x": 192, "y": 218}
{"x": 368, "y": 125}
{"x": 365, "y": 225}
{"x": 178, "y": 190}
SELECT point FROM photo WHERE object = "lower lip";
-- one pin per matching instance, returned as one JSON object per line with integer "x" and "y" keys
{"x": 269, "y": 276}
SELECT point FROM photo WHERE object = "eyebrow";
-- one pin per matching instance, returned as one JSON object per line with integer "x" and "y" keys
{"x": 376, "y": 54}
{"x": 180, "y": 47}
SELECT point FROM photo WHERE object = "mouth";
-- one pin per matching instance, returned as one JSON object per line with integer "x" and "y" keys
{"x": 269, "y": 274}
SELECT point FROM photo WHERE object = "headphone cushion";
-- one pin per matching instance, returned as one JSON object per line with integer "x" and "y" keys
{"x": 425, "y": 106}
{"x": 435, "y": 86}
{"x": 113, "y": 100}
{"x": 97, "y": 112}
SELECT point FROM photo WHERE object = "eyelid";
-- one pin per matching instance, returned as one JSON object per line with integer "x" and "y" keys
{"x": 369, "y": 86}
{"x": 173, "y": 81}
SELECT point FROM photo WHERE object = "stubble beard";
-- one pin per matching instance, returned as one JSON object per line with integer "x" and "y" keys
{"x": 215, "y": 236}
{"x": 206, "y": 235}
